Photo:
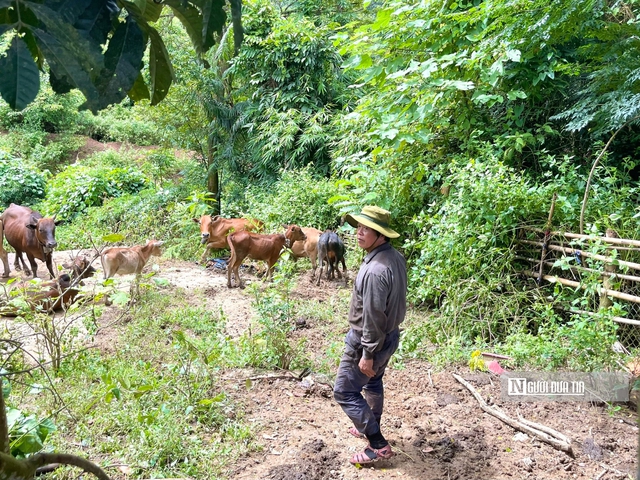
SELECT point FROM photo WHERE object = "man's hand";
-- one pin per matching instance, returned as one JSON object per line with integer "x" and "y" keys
{"x": 366, "y": 367}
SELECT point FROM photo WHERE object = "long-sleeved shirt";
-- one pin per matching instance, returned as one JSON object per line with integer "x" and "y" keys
{"x": 379, "y": 298}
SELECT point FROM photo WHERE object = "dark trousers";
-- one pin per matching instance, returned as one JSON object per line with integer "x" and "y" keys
{"x": 365, "y": 412}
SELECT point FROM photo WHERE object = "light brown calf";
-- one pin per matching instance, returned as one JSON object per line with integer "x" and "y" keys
{"x": 308, "y": 248}
{"x": 258, "y": 247}
{"x": 126, "y": 260}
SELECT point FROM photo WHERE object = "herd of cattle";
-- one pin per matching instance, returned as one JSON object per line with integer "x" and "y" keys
{"x": 33, "y": 235}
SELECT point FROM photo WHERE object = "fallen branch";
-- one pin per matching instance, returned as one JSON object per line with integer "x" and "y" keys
{"x": 550, "y": 436}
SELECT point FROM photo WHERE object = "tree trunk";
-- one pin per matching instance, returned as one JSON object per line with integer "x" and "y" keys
{"x": 213, "y": 186}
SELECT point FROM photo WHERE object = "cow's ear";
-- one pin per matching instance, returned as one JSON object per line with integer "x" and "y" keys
{"x": 31, "y": 226}
{"x": 57, "y": 222}
{"x": 197, "y": 220}
{"x": 215, "y": 219}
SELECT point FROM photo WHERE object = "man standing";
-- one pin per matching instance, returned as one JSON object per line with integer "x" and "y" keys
{"x": 378, "y": 306}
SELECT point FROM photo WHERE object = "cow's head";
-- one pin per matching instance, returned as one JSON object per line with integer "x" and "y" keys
{"x": 80, "y": 268}
{"x": 155, "y": 247}
{"x": 45, "y": 230}
{"x": 206, "y": 222}
{"x": 293, "y": 234}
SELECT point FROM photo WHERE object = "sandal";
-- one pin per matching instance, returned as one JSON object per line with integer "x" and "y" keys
{"x": 370, "y": 455}
{"x": 356, "y": 433}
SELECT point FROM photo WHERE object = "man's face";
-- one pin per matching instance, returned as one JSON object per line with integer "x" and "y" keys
{"x": 366, "y": 236}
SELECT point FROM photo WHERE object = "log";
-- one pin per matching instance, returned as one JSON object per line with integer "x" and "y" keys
{"x": 571, "y": 283}
{"x": 550, "y": 436}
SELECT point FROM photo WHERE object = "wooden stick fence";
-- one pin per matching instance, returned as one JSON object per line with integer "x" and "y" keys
{"x": 608, "y": 274}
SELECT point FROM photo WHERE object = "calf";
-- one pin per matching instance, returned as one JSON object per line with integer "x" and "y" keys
{"x": 214, "y": 230}
{"x": 245, "y": 244}
{"x": 80, "y": 268}
{"x": 126, "y": 260}
{"x": 48, "y": 296}
{"x": 308, "y": 248}
{"x": 331, "y": 249}
{"x": 28, "y": 232}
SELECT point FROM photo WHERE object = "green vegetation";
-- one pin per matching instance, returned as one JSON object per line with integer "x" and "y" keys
{"x": 462, "y": 118}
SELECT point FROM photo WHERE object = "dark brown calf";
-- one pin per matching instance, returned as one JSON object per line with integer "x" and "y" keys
{"x": 331, "y": 249}
{"x": 268, "y": 248}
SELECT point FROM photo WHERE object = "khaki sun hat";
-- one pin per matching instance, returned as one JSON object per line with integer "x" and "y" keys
{"x": 375, "y": 218}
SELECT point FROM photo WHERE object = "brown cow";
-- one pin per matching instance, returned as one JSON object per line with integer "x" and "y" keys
{"x": 308, "y": 248}
{"x": 214, "y": 230}
{"x": 28, "y": 232}
{"x": 245, "y": 244}
{"x": 126, "y": 260}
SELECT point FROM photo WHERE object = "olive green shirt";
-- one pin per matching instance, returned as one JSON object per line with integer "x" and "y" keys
{"x": 379, "y": 298}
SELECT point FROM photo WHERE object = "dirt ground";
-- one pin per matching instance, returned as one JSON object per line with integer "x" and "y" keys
{"x": 434, "y": 425}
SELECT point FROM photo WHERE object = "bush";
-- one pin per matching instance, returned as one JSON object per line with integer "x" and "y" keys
{"x": 138, "y": 217}
{"x": 79, "y": 187}
{"x": 298, "y": 197}
{"x": 19, "y": 183}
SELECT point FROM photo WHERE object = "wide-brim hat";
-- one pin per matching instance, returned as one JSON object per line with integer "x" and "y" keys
{"x": 375, "y": 218}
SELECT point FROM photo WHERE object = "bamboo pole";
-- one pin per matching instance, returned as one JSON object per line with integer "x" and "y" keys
{"x": 571, "y": 283}
{"x": 602, "y": 258}
{"x": 628, "y": 321}
{"x": 613, "y": 241}
{"x": 576, "y": 269}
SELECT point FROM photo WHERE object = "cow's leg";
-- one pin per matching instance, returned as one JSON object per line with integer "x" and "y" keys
{"x": 321, "y": 262}
{"x": 34, "y": 266}
{"x": 5, "y": 260}
{"x": 49, "y": 262}
{"x": 20, "y": 259}
{"x": 344, "y": 270}
{"x": 314, "y": 264}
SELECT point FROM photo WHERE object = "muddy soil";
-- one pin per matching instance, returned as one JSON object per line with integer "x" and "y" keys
{"x": 435, "y": 426}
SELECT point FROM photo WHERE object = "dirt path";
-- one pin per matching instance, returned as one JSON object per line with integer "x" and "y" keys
{"x": 434, "y": 425}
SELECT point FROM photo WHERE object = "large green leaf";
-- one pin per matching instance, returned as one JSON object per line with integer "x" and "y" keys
{"x": 160, "y": 67}
{"x": 65, "y": 64}
{"x": 213, "y": 19}
{"x": 70, "y": 10}
{"x": 152, "y": 11}
{"x": 20, "y": 79}
{"x": 60, "y": 85}
{"x": 191, "y": 20}
{"x": 97, "y": 20}
{"x": 87, "y": 53}
{"x": 139, "y": 91}
{"x": 123, "y": 61}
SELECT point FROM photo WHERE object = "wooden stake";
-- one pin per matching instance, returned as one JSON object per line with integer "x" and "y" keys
{"x": 547, "y": 236}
